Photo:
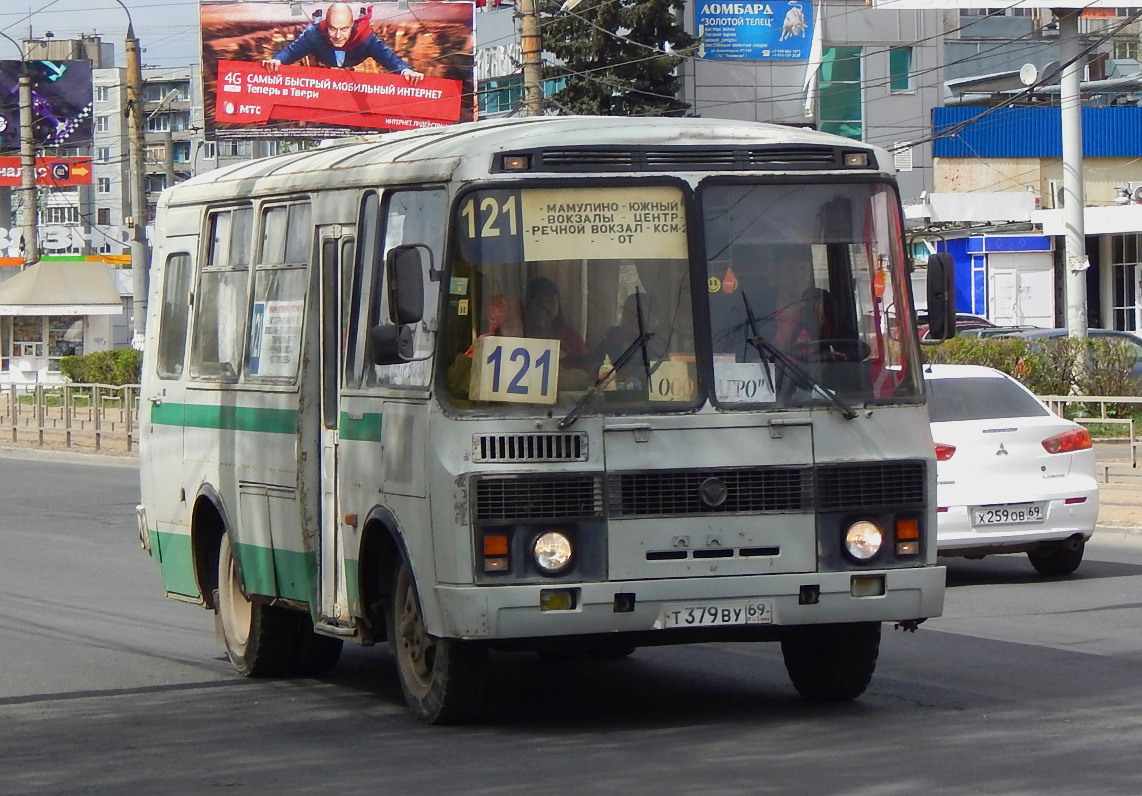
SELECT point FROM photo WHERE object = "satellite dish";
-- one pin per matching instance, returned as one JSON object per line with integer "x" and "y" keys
{"x": 1028, "y": 74}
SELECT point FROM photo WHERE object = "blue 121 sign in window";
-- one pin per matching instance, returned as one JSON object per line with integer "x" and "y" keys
{"x": 780, "y": 30}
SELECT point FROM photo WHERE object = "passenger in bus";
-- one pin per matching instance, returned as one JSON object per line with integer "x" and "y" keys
{"x": 504, "y": 319}
{"x": 543, "y": 319}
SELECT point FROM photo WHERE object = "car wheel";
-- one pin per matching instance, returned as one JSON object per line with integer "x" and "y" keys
{"x": 443, "y": 680}
{"x": 831, "y": 663}
{"x": 260, "y": 639}
{"x": 1058, "y": 558}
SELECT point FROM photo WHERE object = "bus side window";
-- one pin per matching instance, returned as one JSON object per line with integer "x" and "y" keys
{"x": 281, "y": 278}
{"x": 174, "y": 318}
{"x": 221, "y": 298}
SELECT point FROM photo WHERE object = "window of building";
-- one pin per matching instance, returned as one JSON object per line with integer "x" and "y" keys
{"x": 234, "y": 149}
{"x": 209, "y": 150}
{"x": 103, "y": 216}
{"x": 103, "y": 154}
{"x": 900, "y": 69}
{"x": 840, "y": 92}
{"x": 102, "y": 124}
{"x": 103, "y": 184}
{"x": 1127, "y": 49}
{"x": 159, "y": 123}
{"x": 102, "y": 93}
{"x": 60, "y": 214}
{"x": 1126, "y": 253}
{"x": 180, "y": 152}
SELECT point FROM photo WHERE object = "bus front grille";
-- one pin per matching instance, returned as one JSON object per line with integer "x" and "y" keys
{"x": 515, "y": 448}
{"x": 537, "y": 497}
{"x": 870, "y": 485}
{"x": 680, "y": 492}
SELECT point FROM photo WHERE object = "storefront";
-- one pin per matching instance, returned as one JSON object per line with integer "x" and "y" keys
{"x": 52, "y": 310}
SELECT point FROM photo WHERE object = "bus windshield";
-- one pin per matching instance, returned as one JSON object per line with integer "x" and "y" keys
{"x": 552, "y": 288}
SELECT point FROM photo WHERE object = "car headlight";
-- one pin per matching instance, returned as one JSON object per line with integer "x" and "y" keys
{"x": 552, "y": 552}
{"x": 863, "y": 540}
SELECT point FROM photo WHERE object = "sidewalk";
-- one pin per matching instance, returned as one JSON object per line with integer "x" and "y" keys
{"x": 1120, "y": 485}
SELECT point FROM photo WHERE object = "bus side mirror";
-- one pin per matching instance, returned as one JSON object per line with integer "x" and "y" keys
{"x": 405, "y": 266}
{"x": 391, "y": 344}
{"x": 941, "y": 296}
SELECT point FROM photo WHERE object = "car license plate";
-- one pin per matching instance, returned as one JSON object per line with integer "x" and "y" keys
{"x": 718, "y": 613}
{"x": 1008, "y": 513}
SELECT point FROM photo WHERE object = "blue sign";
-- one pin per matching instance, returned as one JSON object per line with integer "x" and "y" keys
{"x": 771, "y": 31}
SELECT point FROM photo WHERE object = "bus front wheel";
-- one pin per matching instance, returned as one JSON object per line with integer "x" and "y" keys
{"x": 260, "y": 639}
{"x": 831, "y": 663}
{"x": 442, "y": 679}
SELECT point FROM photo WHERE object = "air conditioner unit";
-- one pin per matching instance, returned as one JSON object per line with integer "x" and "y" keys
{"x": 1055, "y": 194}
{"x": 1134, "y": 188}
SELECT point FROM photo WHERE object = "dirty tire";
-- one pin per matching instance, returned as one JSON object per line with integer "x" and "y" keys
{"x": 1058, "y": 558}
{"x": 831, "y": 663}
{"x": 260, "y": 639}
{"x": 314, "y": 654}
{"x": 443, "y": 680}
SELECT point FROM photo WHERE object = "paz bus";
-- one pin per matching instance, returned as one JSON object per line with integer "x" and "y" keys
{"x": 562, "y": 385}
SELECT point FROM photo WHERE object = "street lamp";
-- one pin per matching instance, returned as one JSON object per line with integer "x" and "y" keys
{"x": 28, "y": 201}
{"x": 140, "y": 255}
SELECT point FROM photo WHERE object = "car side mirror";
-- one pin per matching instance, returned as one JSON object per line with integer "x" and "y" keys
{"x": 391, "y": 344}
{"x": 941, "y": 296}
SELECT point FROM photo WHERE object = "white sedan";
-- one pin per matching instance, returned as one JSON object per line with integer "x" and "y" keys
{"x": 1012, "y": 476}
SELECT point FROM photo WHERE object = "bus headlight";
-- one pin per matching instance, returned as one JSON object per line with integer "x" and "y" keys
{"x": 863, "y": 540}
{"x": 552, "y": 552}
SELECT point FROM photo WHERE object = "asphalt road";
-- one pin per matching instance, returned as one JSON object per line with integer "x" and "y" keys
{"x": 1025, "y": 686}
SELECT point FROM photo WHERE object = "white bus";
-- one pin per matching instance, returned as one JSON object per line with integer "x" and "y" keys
{"x": 570, "y": 385}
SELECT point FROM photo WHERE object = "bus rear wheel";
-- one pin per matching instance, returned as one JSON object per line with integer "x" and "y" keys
{"x": 831, "y": 663}
{"x": 260, "y": 639}
{"x": 442, "y": 679}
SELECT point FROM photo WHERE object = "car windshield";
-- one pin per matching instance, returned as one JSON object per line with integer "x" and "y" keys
{"x": 979, "y": 398}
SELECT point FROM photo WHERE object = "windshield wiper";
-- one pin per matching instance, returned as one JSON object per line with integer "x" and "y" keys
{"x": 639, "y": 343}
{"x": 797, "y": 374}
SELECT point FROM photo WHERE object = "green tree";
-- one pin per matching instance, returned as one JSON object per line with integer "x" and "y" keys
{"x": 616, "y": 57}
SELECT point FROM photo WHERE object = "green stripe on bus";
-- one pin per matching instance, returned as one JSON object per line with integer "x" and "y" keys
{"x": 366, "y": 428}
{"x": 231, "y": 418}
{"x": 172, "y": 551}
{"x": 274, "y": 573}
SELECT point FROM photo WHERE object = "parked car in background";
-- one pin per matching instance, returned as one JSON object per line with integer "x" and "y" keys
{"x": 964, "y": 322}
{"x": 1131, "y": 339}
{"x": 996, "y": 331}
{"x": 1012, "y": 476}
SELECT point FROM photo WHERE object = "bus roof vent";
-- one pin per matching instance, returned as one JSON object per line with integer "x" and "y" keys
{"x": 707, "y": 158}
{"x": 534, "y": 447}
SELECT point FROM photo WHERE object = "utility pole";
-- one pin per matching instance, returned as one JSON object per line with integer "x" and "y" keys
{"x": 1075, "y": 262}
{"x": 140, "y": 254}
{"x": 29, "y": 204}
{"x": 532, "y": 63}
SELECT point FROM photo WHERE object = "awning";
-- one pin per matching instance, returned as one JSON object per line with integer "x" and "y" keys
{"x": 61, "y": 288}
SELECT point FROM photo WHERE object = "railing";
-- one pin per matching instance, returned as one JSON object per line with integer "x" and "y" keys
{"x": 102, "y": 417}
{"x": 1059, "y": 402}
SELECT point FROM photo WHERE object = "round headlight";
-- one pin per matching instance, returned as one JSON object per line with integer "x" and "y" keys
{"x": 552, "y": 552}
{"x": 863, "y": 540}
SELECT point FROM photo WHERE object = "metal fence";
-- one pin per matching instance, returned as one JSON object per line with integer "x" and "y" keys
{"x": 102, "y": 417}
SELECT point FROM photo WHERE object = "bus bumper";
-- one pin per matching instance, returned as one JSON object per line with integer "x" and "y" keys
{"x": 515, "y": 612}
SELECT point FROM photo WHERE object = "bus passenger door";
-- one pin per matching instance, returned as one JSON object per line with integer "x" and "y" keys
{"x": 336, "y": 254}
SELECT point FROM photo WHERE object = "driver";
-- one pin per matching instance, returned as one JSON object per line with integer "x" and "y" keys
{"x": 802, "y": 312}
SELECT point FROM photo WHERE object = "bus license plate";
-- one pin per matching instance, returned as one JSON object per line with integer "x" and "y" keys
{"x": 721, "y": 613}
{"x": 1008, "y": 513}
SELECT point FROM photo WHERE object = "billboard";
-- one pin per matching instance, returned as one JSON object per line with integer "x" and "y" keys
{"x": 61, "y": 103}
{"x": 55, "y": 172}
{"x": 281, "y": 69}
{"x": 765, "y": 31}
